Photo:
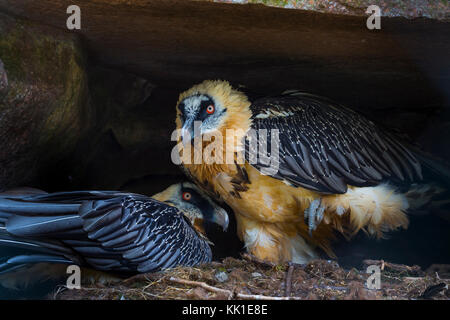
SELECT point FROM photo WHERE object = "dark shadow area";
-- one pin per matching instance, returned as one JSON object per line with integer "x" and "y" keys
{"x": 424, "y": 243}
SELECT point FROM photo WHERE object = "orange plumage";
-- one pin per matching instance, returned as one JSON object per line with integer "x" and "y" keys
{"x": 269, "y": 211}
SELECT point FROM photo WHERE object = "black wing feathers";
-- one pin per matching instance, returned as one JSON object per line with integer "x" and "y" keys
{"x": 106, "y": 230}
{"x": 325, "y": 147}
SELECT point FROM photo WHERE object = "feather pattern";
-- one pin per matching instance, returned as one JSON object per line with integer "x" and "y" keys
{"x": 325, "y": 147}
{"x": 109, "y": 231}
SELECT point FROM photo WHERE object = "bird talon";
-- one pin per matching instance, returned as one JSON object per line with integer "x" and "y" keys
{"x": 314, "y": 214}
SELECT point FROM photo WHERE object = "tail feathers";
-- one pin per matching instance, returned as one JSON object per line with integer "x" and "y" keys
{"x": 25, "y": 262}
{"x": 431, "y": 198}
{"x": 427, "y": 198}
{"x": 52, "y": 247}
{"x": 434, "y": 168}
{"x": 21, "y": 261}
{"x": 18, "y": 251}
{"x": 72, "y": 197}
{"x": 16, "y": 205}
{"x": 50, "y": 226}
{"x": 39, "y": 203}
{"x": 28, "y": 219}
{"x": 20, "y": 192}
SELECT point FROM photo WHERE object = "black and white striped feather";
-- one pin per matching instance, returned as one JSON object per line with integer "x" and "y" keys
{"x": 325, "y": 147}
{"x": 106, "y": 230}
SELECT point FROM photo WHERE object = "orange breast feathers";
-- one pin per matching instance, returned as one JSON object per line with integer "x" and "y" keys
{"x": 270, "y": 213}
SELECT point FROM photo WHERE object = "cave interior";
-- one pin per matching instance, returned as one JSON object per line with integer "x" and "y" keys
{"x": 137, "y": 59}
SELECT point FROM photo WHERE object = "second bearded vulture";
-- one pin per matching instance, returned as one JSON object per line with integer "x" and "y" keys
{"x": 103, "y": 230}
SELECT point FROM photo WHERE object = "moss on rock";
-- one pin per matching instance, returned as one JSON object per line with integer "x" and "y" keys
{"x": 42, "y": 109}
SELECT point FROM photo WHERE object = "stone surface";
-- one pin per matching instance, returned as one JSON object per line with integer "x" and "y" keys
{"x": 67, "y": 124}
{"x": 130, "y": 146}
{"x": 398, "y": 75}
{"x": 42, "y": 98}
{"x": 434, "y": 9}
{"x": 3, "y": 78}
{"x": 221, "y": 276}
{"x": 177, "y": 43}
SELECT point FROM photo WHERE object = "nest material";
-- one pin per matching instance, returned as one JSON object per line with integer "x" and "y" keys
{"x": 252, "y": 279}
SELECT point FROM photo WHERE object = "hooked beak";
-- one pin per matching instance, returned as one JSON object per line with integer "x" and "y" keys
{"x": 190, "y": 131}
{"x": 187, "y": 132}
{"x": 220, "y": 217}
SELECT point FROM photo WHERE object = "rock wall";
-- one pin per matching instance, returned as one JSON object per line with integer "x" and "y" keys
{"x": 435, "y": 9}
{"x": 177, "y": 43}
{"x": 94, "y": 108}
{"x": 68, "y": 124}
{"x": 43, "y": 98}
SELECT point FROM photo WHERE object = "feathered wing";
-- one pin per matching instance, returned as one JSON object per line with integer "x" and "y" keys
{"x": 105, "y": 230}
{"x": 325, "y": 147}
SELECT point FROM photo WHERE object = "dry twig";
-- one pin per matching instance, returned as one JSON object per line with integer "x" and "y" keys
{"x": 393, "y": 266}
{"x": 228, "y": 293}
{"x": 288, "y": 285}
{"x": 136, "y": 278}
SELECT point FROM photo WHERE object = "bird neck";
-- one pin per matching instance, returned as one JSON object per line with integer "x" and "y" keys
{"x": 166, "y": 194}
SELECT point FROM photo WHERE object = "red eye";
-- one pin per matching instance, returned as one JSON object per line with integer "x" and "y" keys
{"x": 187, "y": 196}
{"x": 210, "y": 109}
